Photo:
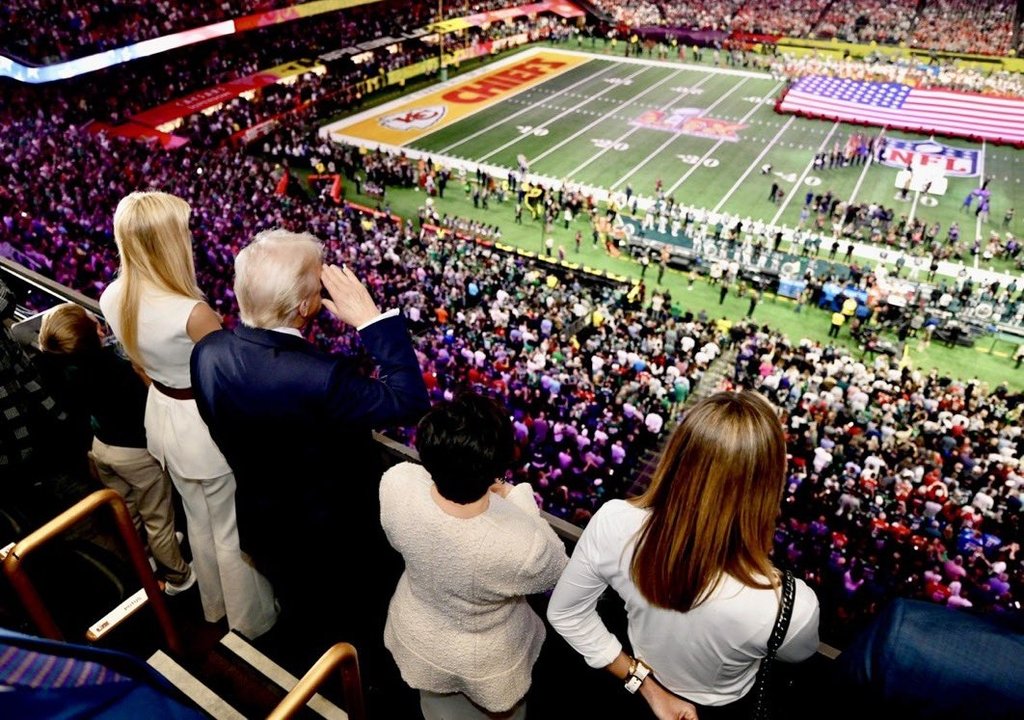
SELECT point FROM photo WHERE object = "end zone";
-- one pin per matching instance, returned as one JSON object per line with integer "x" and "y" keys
{"x": 409, "y": 118}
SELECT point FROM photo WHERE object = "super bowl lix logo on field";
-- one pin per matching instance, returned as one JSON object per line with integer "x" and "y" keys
{"x": 954, "y": 161}
{"x": 414, "y": 119}
{"x": 689, "y": 121}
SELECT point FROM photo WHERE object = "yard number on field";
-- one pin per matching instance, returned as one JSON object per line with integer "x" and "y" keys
{"x": 695, "y": 160}
{"x": 531, "y": 130}
{"x": 609, "y": 144}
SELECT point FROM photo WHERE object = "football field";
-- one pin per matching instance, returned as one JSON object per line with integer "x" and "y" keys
{"x": 703, "y": 133}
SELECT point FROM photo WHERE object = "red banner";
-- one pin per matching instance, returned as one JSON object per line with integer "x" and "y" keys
{"x": 197, "y": 101}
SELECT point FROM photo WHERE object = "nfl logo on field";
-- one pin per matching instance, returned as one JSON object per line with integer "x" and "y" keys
{"x": 954, "y": 161}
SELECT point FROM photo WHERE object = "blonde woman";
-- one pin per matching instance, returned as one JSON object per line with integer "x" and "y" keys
{"x": 157, "y": 312}
{"x": 690, "y": 559}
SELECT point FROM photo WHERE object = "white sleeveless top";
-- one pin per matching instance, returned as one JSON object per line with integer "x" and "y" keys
{"x": 175, "y": 433}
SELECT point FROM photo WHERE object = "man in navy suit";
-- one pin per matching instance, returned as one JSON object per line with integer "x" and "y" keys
{"x": 295, "y": 425}
{"x": 922, "y": 661}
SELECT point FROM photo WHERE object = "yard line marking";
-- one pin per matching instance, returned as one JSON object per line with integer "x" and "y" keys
{"x": 717, "y": 145}
{"x": 568, "y": 111}
{"x": 672, "y": 137}
{"x": 671, "y": 64}
{"x": 981, "y": 183}
{"x": 755, "y": 163}
{"x": 913, "y": 209}
{"x": 514, "y": 115}
{"x": 575, "y": 171}
{"x": 602, "y": 119}
{"x": 789, "y": 196}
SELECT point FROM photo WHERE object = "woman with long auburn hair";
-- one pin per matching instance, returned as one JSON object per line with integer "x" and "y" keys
{"x": 691, "y": 560}
{"x": 158, "y": 313}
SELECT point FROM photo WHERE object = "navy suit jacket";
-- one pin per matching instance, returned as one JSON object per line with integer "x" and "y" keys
{"x": 921, "y": 661}
{"x": 294, "y": 424}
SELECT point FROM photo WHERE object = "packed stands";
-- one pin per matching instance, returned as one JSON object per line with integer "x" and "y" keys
{"x": 778, "y": 17}
{"x": 966, "y": 26}
{"x": 868, "y": 21}
{"x": 942, "y": 25}
{"x": 52, "y": 31}
{"x": 589, "y": 394}
{"x": 901, "y": 483}
{"x": 704, "y": 15}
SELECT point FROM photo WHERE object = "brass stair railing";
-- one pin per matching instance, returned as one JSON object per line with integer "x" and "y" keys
{"x": 339, "y": 656}
{"x": 71, "y": 517}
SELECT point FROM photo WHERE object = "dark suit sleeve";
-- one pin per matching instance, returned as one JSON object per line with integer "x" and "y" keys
{"x": 920, "y": 661}
{"x": 398, "y": 395}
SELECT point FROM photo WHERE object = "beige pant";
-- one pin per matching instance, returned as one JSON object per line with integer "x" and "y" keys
{"x": 146, "y": 489}
{"x": 229, "y": 584}
{"x": 456, "y": 706}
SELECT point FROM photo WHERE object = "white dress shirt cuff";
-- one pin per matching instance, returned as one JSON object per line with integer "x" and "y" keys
{"x": 390, "y": 313}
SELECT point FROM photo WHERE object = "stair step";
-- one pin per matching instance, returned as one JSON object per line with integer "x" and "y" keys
{"x": 278, "y": 675}
{"x": 195, "y": 690}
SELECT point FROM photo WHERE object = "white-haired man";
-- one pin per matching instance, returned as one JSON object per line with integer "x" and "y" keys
{"x": 294, "y": 424}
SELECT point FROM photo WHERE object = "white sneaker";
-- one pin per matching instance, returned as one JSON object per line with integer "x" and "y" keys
{"x": 170, "y": 589}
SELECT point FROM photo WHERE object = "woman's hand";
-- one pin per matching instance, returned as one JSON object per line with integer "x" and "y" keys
{"x": 501, "y": 488}
{"x": 664, "y": 704}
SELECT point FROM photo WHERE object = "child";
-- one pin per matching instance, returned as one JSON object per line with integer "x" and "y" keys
{"x": 106, "y": 391}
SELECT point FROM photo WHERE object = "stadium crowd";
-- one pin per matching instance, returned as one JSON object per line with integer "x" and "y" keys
{"x": 588, "y": 396}
{"x": 48, "y": 31}
{"x": 966, "y": 26}
{"x": 961, "y": 26}
{"x": 777, "y": 17}
{"x": 870, "y": 21}
{"x": 901, "y": 483}
{"x": 593, "y": 377}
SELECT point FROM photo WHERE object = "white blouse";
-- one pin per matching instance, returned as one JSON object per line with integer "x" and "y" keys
{"x": 175, "y": 433}
{"x": 708, "y": 655}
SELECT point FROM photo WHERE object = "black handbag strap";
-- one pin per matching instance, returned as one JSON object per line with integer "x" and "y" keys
{"x": 775, "y": 640}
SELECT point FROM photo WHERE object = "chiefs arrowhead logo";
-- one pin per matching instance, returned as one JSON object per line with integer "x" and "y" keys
{"x": 415, "y": 119}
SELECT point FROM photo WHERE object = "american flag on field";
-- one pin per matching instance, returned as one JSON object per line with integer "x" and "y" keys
{"x": 903, "y": 107}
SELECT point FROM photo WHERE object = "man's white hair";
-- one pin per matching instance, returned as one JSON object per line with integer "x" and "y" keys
{"x": 274, "y": 274}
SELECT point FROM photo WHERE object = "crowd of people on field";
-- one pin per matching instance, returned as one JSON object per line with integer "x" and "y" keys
{"x": 881, "y": 68}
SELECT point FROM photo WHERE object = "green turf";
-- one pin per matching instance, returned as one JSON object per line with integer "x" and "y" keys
{"x": 577, "y": 126}
{"x": 779, "y": 313}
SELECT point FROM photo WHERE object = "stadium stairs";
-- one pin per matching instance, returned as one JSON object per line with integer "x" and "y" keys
{"x": 720, "y": 368}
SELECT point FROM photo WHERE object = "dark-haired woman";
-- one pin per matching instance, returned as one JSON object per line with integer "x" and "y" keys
{"x": 459, "y": 626}
{"x": 690, "y": 559}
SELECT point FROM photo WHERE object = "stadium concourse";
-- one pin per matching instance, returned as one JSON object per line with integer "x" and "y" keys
{"x": 634, "y": 134}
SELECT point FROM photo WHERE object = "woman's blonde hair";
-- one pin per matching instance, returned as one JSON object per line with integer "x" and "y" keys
{"x": 714, "y": 500}
{"x": 155, "y": 245}
{"x": 68, "y": 329}
{"x": 274, "y": 274}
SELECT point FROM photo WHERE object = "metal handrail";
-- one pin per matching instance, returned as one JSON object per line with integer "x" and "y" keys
{"x": 74, "y": 515}
{"x": 341, "y": 656}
